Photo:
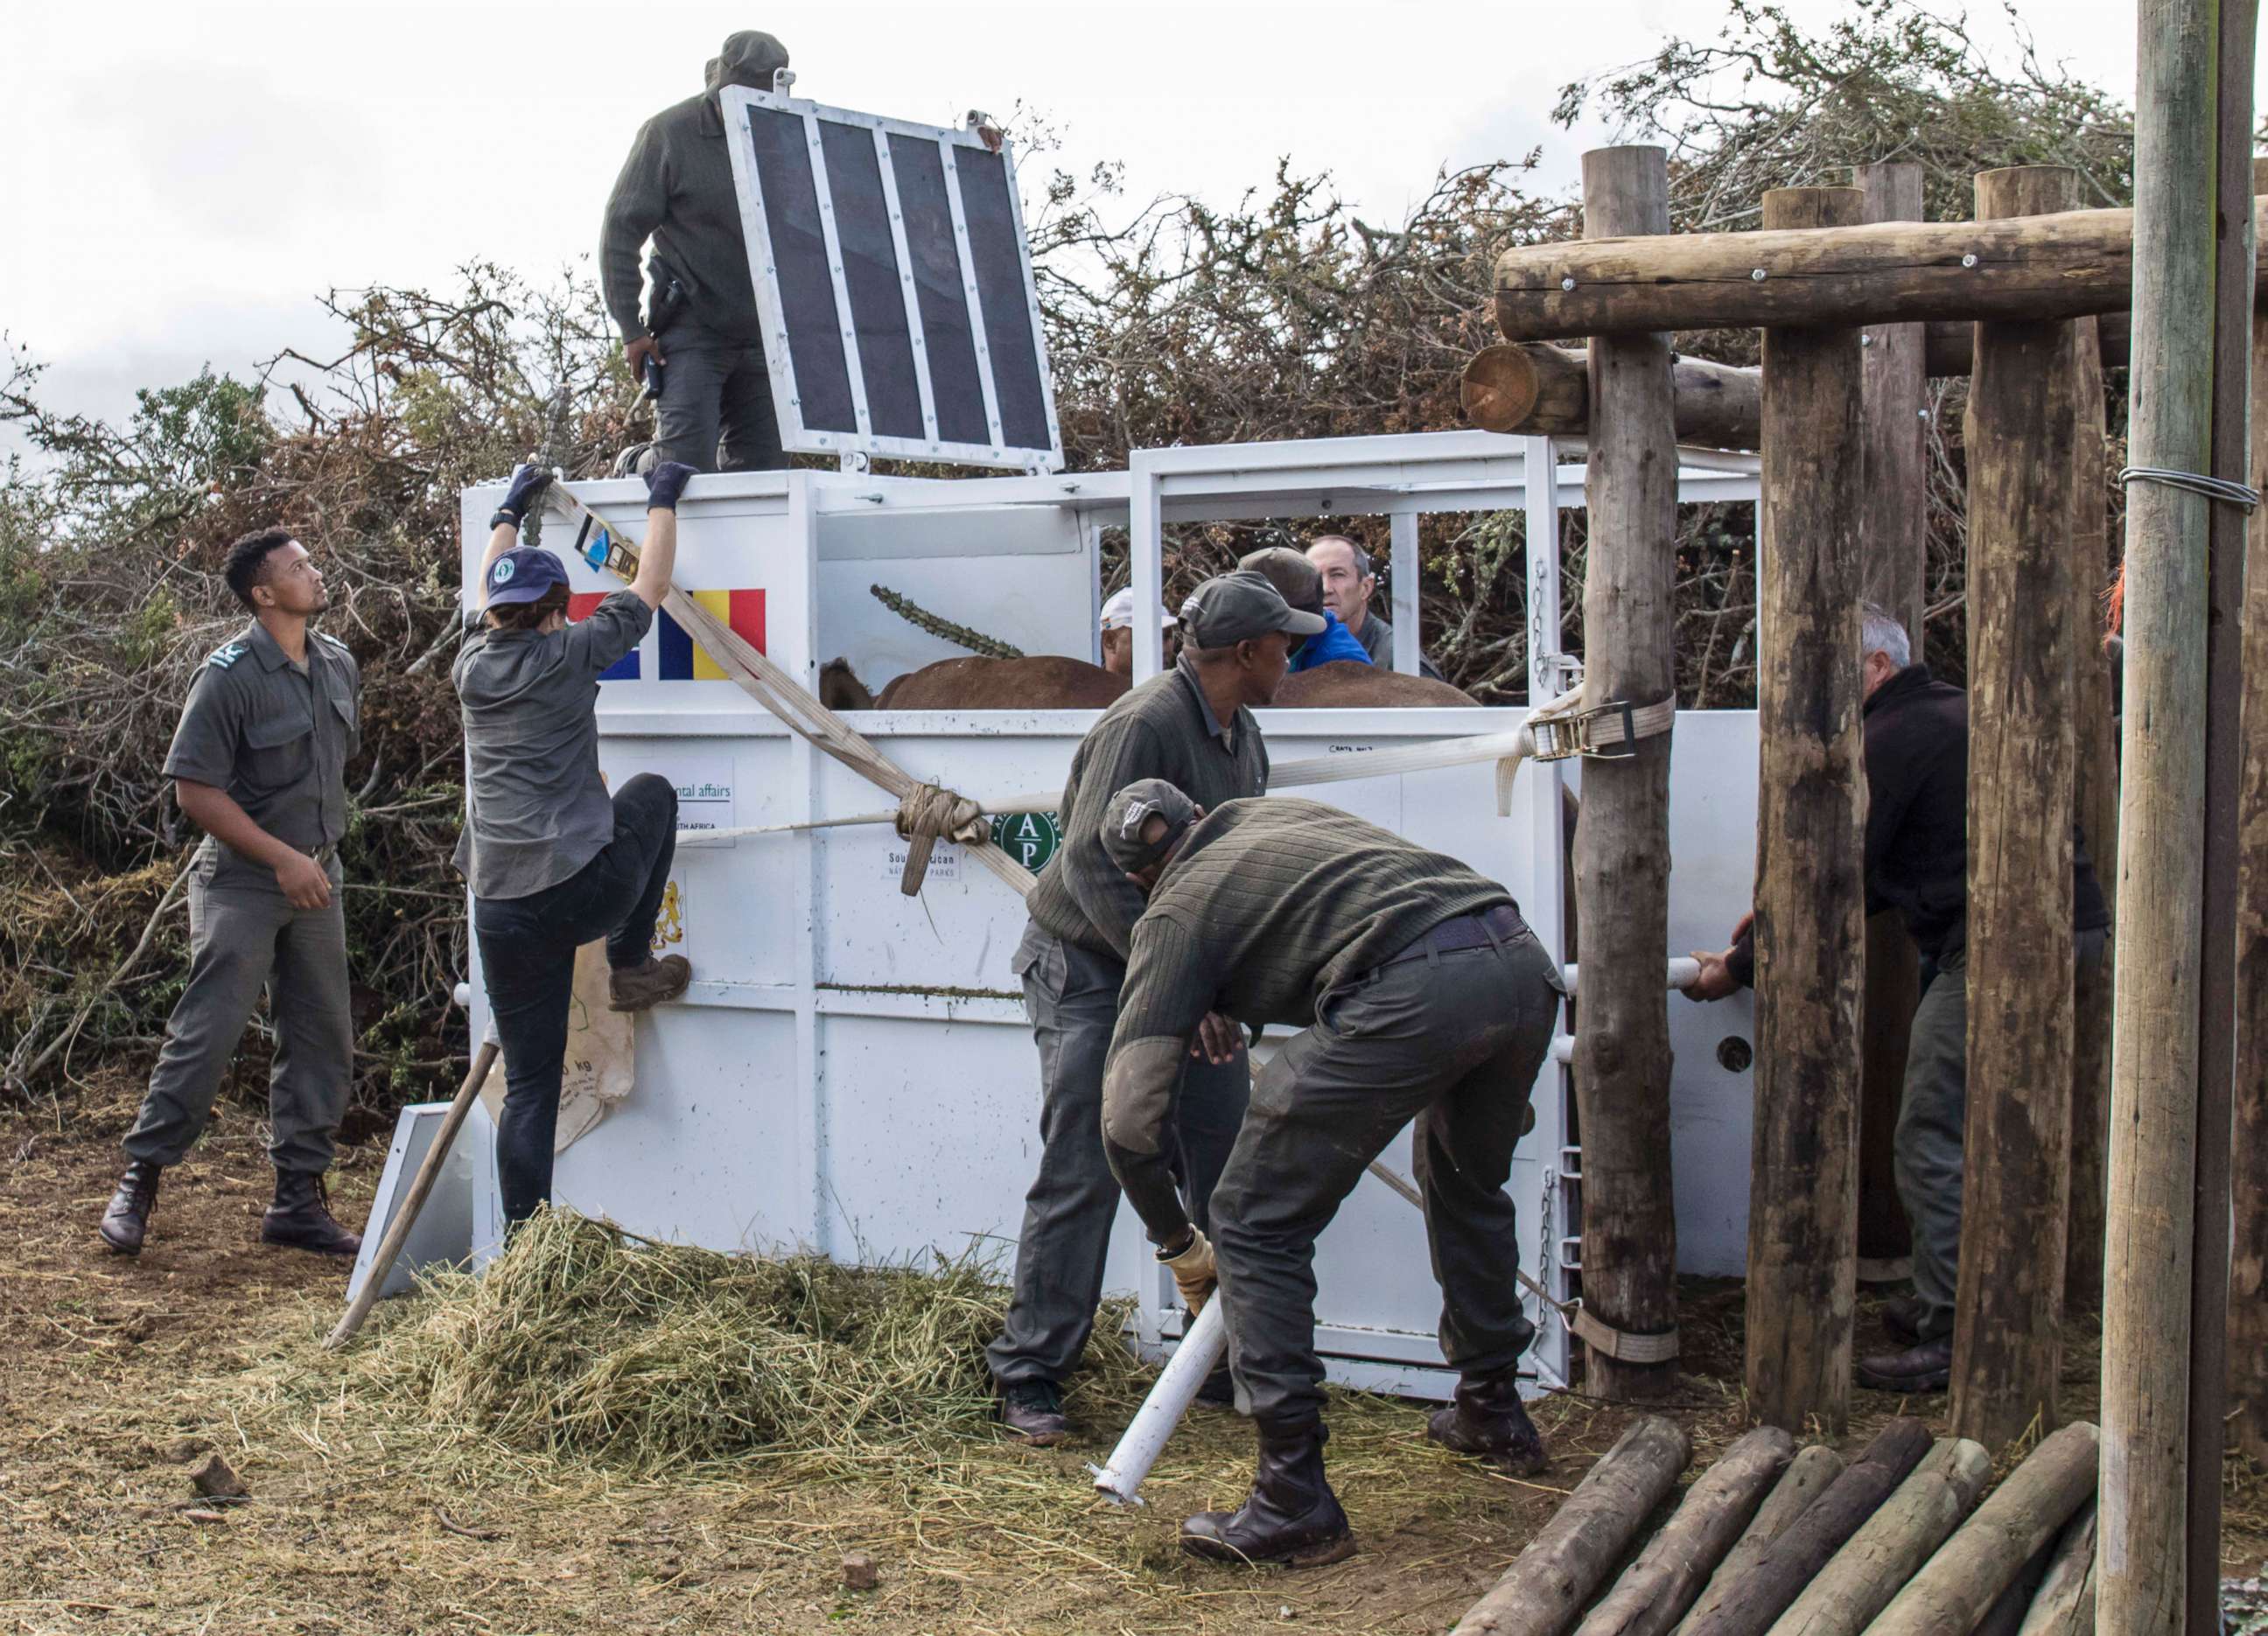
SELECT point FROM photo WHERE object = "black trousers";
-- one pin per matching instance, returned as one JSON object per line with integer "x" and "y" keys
{"x": 716, "y": 409}
{"x": 528, "y": 965}
{"x": 1452, "y": 1040}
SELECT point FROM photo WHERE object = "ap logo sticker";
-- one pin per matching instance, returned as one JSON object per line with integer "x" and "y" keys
{"x": 1030, "y": 838}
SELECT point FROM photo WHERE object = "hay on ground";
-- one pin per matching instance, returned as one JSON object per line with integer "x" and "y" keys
{"x": 585, "y": 1342}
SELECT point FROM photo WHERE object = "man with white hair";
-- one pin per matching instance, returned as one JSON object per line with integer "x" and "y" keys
{"x": 1917, "y": 861}
{"x": 1118, "y": 635}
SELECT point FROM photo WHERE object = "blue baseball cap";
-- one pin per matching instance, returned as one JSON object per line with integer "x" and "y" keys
{"x": 522, "y": 574}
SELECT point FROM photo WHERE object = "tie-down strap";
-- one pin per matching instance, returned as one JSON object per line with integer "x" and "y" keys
{"x": 1586, "y": 1327}
{"x": 1607, "y": 732}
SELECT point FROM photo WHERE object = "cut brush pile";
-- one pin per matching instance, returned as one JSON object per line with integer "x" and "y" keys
{"x": 585, "y": 1342}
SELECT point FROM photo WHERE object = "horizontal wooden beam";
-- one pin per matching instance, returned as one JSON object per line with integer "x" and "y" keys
{"x": 2023, "y": 267}
{"x": 1537, "y": 389}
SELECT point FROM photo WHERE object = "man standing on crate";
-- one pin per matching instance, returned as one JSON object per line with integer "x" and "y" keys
{"x": 258, "y": 763}
{"x": 1194, "y": 725}
{"x": 1419, "y": 992}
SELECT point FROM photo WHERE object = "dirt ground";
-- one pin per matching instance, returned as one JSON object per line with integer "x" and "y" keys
{"x": 122, "y": 1373}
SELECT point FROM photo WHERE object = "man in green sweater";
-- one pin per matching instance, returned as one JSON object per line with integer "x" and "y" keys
{"x": 1423, "y": 995}
{"x": 700, "y": 323}
{"x": 1194, "y": 725}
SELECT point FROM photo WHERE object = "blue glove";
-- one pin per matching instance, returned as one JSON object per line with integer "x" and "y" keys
{"x": 528, "y": 483}
{"x": 665, "y": 483}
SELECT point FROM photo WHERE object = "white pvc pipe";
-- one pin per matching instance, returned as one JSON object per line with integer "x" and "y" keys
{"x": 1563, "y": 1048}
{"x": 1683, "y": 970}
{"x": 1202, "y": 1344}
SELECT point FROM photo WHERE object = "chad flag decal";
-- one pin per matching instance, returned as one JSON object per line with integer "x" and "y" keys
{"x": 678, "y": 657}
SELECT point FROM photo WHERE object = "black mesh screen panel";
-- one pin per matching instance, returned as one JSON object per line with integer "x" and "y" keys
{"x": 952, "y": 379}
{"x": 807, "y": 285}
{"x": 997, "y": 252}
{"x": 870, "y": 276}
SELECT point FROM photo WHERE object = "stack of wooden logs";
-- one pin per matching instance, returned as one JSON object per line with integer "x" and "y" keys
{"x": 1774, "y": 1541}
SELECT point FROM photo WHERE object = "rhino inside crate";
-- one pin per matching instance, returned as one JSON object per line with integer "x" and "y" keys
{"x": 852, "y": 1070}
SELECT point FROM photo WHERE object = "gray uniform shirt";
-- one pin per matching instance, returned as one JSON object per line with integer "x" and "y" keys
{"x": 275, "y": 737}
{"x": 1377, "y": 639}
{"x": 535, "y": 808}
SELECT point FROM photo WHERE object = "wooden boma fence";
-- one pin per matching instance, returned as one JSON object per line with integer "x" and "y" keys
{"x": 2108, "y": 1116}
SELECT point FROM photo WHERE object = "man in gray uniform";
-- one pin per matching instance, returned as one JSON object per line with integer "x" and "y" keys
{"x": 1349, "y": 585}
{"x": 1193, "y": 725}
{"x": 258, "y": 763}
{"x": 1425, "y": 996}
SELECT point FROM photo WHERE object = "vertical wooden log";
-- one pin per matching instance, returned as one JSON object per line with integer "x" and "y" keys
{"x": 2095, "y": 784}
{"x": 2248, "y": 1284}
{"x": 1803, "y": 1187}
{"x": 2141, "y": 1589}
{"x": 1894, "y": 551}
{"x": 2234, "y": 285}
{"x": 2008, "y": 1337}
{"x": 1621, "y": 841}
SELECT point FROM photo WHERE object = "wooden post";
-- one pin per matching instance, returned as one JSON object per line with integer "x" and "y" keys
{"x": 2141, "y": 1589}
{"x": 1654, "y": 1591}
{"x": 1622, "y": 839}
{"x": 1811, "y": 1473}
{"x": 2007, "y": 1343}
{"x": 2095, "y": 792}
{"x": 1874, "y": 1563}
{"x": 1803, "y": 1185}
{"x": 2234, "y": 279}
{"x": 2248, "y": 1285}
{"x": 1894, "y": 551}
{"x": 1538, "y": 390}
{"x": 1549, "y": 1582}
{"x": 2065, "y": 1604}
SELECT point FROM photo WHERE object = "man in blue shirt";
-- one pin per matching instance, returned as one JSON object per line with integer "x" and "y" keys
{"x": 1299, "y": 582}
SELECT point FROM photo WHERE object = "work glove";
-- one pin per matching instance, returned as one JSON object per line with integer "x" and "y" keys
{"x": 665, "y": 483}
{"x": 1195, "y": 1275}
{"x": 528, "y": 483}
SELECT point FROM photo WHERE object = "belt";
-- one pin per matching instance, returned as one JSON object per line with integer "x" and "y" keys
{"x": 1490, "y": 926}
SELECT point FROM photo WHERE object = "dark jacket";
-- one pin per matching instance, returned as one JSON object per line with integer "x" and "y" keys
{"x": 677, "y": 187}
{"x": 1917, "y": 859}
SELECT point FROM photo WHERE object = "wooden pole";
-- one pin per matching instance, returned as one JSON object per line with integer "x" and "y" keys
{"x": 1809, "y": 932}
{"x": 2247, "y": 1288}
{"x": 1810, "y": 1474}
{"x": 1547, "y": 1583}
{"x": 2064, "y": 1603}
{"x": 1950, "y": 348}
{"x": 1958, "y": 1585}
{"x": 421, "y": 1187}
{"x": 2142, "y": 1586}
{"x": 1751, "y": 1605}
{"x": 2008, "y": 1342}
{"x": 2095, "y": 781}
{"x": 1894, "y": 552}
{"x": 1546, "y": 390}
{"x": 1654, "y": 1591}
{"x": 1622, "y": 839}
{"x": 1874, "y": 1563}
{"x": 2234, "y": 279}
{"x": 2032, "y": 267}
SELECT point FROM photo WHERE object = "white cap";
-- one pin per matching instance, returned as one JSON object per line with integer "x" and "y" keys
{"x": 1118, "y": 613}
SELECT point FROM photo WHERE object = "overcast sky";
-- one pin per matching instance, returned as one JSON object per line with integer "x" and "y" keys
{"x": 180, "y": 182}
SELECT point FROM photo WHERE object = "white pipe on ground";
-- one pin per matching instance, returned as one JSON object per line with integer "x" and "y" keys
{"x": 1202, "y": 1345}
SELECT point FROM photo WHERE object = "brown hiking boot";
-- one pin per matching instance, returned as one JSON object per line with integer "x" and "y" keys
{"x": 125, "y": 1219}
{"x": 1486, "y": 1418}
{"x": 300, "y": 1218}
{"x": 635, "y": 988}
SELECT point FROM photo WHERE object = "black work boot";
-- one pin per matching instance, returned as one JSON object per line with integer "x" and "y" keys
{"x": 1486, "y": 1418}
{"x": 1032, "y": 1413}
{"x": 1901, "y": 1317}
{"x": 1291, "y": 1517}
{"x": 300, "y": 1218}
{"x": 635, "y": 988}
{"x": 1924, "y": 1367}
{"x": 126, "y": 1218}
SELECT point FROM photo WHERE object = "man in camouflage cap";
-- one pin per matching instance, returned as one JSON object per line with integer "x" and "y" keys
{"x": 258, "y": 763}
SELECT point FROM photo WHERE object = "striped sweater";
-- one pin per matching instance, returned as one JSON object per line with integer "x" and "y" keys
{"x": 1163, "y": 729}
{"x": 1267, "y": 907}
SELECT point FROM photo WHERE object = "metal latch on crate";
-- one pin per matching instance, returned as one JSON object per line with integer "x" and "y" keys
{"x": 1605, "y": 732}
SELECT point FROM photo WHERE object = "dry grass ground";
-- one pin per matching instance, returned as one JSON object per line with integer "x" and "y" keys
{"x": 366, "y": 1516}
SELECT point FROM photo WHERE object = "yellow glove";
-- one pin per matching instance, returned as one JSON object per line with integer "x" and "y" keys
{"x": 1193, "y": 1272}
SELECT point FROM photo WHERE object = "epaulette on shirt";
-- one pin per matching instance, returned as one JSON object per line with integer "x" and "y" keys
{"x": 334, "y": 641}
{"x": 226, "y": 655}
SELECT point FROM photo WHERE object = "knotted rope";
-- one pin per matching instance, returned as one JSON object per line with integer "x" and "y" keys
{"x": 928, "y": 814}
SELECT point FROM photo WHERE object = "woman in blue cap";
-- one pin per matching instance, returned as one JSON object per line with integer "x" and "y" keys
{"x": 554, "y": 861}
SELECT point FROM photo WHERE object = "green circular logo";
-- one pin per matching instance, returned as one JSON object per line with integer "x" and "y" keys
{"x": 1030, "y": 838}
